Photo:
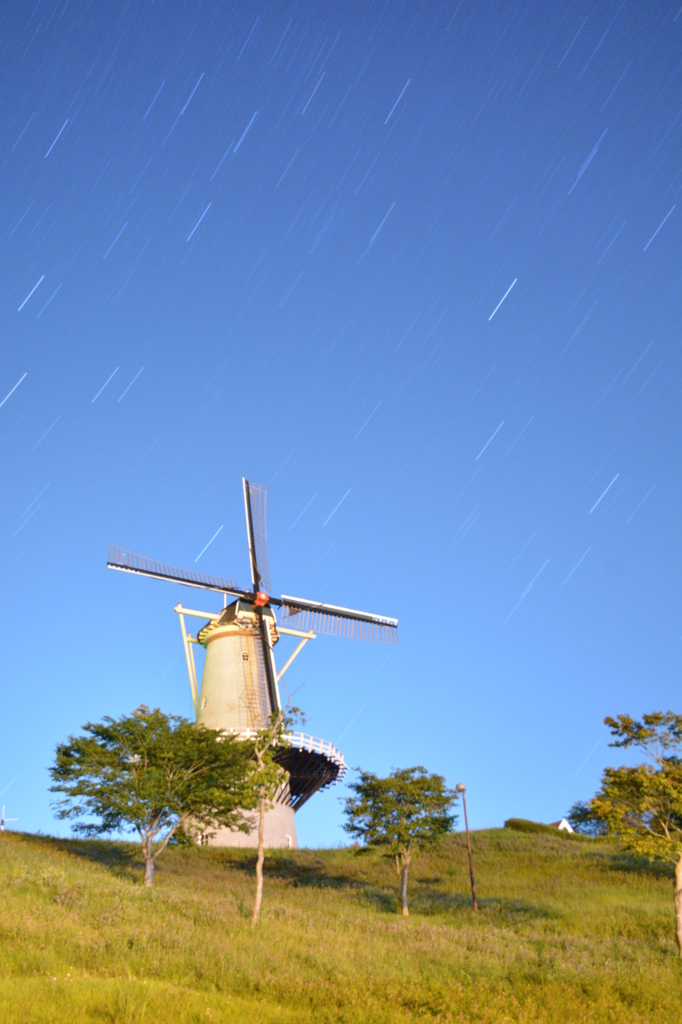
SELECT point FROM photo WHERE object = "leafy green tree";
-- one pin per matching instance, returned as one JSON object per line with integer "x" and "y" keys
{"x": 153, "y": 774}
{"x": 642, "y": 805}
{"x": 584, "y": 821}
{"x": 399, "y": 814}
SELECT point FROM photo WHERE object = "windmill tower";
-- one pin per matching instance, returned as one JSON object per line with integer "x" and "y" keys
{"x": 240, "y": 683}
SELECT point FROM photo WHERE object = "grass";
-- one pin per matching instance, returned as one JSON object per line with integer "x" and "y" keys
{"x": 567, "y": 931}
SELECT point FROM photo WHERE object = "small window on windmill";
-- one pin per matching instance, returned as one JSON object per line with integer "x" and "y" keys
{"x": 245, "y": 655}
{"x": 203, "y": 703}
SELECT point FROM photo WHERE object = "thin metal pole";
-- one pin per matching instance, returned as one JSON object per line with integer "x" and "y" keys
{"x": 296, "y": 652}
{"x": 195, "y": 689}
{"x": 192, "y": 679}
{"x": 471, "y": 863}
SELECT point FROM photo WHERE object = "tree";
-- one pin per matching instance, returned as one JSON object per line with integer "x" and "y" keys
{"x": 266, "y": 779}
{"x": 154, "y": 774}
{"x": 584, "y": 821}
{"x": 642, "y": 805}
{"x": 399, "y": 814}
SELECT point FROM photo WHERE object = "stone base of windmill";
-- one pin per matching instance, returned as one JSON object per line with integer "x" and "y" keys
{"x": 312, "y": 765}
{"x": 279, "y": 831}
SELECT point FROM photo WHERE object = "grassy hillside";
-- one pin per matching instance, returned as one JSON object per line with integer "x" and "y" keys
{"x": 568, "y": 931}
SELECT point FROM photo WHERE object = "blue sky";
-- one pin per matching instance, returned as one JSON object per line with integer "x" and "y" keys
{"x": 426, "y": 257}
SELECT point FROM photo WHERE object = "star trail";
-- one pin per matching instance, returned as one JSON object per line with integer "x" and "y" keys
{"x": 418, "y": 269}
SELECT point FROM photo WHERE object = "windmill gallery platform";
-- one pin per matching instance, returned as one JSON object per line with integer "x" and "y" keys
{"x": 240, "y": 683}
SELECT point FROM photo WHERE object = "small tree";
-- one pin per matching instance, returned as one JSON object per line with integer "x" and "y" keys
{"x": 266, "y": 779}
{"x": 399, "y": 814}
{"x": 642, "y": 805}
{"x": 584, "y": 821}
{"x": 153, "y": 774}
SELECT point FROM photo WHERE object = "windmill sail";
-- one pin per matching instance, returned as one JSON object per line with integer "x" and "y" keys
{"x": 128, "y": 561}
{"x": 264, "y": 695}
{"x": 255, "y": 499}
{"x": 298, "y": 613}
{"x": 256, "y": 528}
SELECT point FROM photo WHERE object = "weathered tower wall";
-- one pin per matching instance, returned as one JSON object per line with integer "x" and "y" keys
{"x": 279, "y": 831}
{"x": 233, "y": 689}
{"x": 234, "y": 697}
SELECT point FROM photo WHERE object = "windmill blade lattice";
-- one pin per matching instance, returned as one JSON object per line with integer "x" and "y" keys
{"x": 255, "y": 496}
{"x": 256, "y": 528}
{"x": 257, "y": 698}
{"x": 332, "y": 621}
{"x": 128, "y": 561}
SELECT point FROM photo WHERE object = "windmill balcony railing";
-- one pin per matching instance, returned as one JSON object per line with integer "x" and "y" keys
{"x": 304, "y": 741}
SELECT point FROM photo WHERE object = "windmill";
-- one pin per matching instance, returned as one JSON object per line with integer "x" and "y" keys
{"x": 240, "y": 682}
{"x": 4, "y": 819}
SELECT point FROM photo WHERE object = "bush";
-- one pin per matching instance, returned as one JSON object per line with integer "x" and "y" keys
{"x": 523, "y": 825}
